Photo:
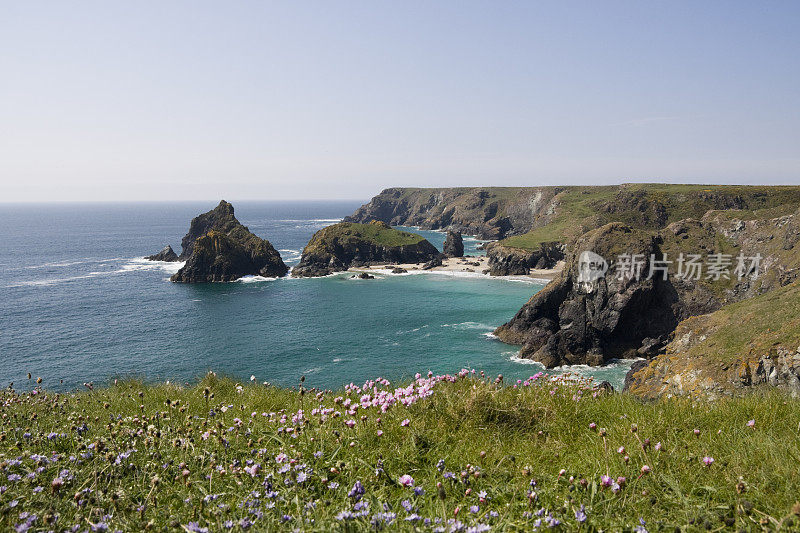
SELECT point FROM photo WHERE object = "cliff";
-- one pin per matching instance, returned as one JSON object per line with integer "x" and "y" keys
{"x": 489, "y": 212}
{"x": 574, "y": 321}
{"x": 751, "y": 343}
{"x": 340, "y": 246}
{"x": 508, "y": 261}
{"x": 219, "y": 248}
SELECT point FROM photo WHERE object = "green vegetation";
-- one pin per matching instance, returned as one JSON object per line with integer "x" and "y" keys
{"x": 753, "y": 327}
{"x": 374, "y": 232}
{"x": 444, "y": 451}
{"x": 651, "y": 206}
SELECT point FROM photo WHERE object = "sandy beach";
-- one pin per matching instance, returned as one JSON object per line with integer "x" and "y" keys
{"x": 477, "y": 265}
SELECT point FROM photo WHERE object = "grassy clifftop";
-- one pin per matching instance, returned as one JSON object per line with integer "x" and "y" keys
{"x": 751, "y": 342}
{"x": 452, "y": 451}
{"x": 375, "y": 233}
{"x": 651, "y": 206}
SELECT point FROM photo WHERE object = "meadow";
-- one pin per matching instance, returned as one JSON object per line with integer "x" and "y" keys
{"x": 460, "y": 452}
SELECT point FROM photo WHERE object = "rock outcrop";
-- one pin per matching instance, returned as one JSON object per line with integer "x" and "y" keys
{"x": 219, "y": 248}
{"x": 453, "y": 244}
{"x": 507, "y": 261}
{"x": 589, "y": 317}
{"x": 220, "y": 219}
{"x": 752, "y": 343}
{"x": 341, "y": 246}
{"x": 166, "y": 254}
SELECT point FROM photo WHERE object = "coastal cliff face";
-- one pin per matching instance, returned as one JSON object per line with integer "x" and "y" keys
{"x": 507, "y": 261}
{"x": 219, "y": 248}
{"x": 752, "y": 343}
{"x": 343, "y": 245}
{"x": 577, "y": 319}
{"x": 488, "y": 212}
{"x": 574, "y": 322}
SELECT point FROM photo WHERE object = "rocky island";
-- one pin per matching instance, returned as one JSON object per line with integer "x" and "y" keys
{"x": 219, "y": 248}
{"x": 346, "y": 244}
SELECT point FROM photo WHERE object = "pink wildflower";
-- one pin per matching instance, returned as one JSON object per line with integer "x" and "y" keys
{"x": 406, "y": 480}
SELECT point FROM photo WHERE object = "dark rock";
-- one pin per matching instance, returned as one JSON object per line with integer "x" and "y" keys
{"x": 344, "y": 245}
{"x": 629, "y": 377}
{"x": 222, "y": 249}
{"x": 399, "y": 270}
{"x": 364, "y": 275}
{"x": 433, "y": 263}
{"x": 580, "y": 320}
{"x": 507, "y": 261}
{"x": 606, "y": 387}
{"x": 166, "y": 254}
{"x": 220, "y": 219}
{"x": 453, "y": 244}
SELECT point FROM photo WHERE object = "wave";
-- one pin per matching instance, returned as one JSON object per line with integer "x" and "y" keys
{"x": 254, "y": 279}
{"x": 468, "y": 325}
{"x": 403, "y": 332}
{"x": 140, "y": 263}
{"x": 515, "y": 358}
{"x": 68, "y": 263}
{"x": 53, "y": 281}
{"x": 133, "y": 265}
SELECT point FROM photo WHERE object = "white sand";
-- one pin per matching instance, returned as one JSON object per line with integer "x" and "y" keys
{"x": 463, "y": 264}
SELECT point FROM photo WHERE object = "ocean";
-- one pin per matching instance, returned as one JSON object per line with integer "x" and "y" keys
{"x": 79, "y": 304}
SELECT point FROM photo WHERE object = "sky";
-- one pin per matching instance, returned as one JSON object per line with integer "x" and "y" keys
{"x": 193, "y": 100}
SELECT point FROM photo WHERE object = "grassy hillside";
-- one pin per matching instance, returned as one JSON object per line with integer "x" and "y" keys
{"x": 445, "y": 452}
{"x": 375, "y": 232}
{"x": 651, "y": 206}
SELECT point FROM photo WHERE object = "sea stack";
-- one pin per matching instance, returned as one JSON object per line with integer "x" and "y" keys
{"x": 219, "y": 248}
{"x": 166, "y": 254}
{"x": 347, "y": 244}
{"x": 453, "y": 244}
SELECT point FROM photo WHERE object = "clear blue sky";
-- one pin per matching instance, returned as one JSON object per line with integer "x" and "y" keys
{"x": 165, "y": 100}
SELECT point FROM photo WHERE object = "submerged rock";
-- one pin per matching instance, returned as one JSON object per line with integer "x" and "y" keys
{"x": 166, "y": 254}
{"x": 220, "y": 248}
{"x": 453, "y": 244}
{"x": 346, "y": 244}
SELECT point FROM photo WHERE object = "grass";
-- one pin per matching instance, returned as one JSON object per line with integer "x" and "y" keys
{"x": 651, "y": 206}
{"x": 220, "y": 455}
{"x": 755, "y": 326}
{"x": 374, "y": 232}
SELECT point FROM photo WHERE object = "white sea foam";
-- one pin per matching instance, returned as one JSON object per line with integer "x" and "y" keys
{"x": 62, "y": 264}
{"x": 401, "y": 332}
{"x": 468, "y": 325}
{"x": 254, "y": 279}
{"x": 54, "y": 281}
{"x": 515, "y": 358}
{"x": 490, "y": 335}
{"x": 140, "y": 263}
{"x": 133, "y": 265}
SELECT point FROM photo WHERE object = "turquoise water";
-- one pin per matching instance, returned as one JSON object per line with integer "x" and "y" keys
{"x": 79, "y": 304}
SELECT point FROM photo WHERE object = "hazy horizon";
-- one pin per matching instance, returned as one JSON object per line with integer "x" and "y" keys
{"x": 195, "y": 100}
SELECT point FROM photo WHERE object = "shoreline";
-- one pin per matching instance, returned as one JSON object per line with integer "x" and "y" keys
{"x": 477, "y": 265}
